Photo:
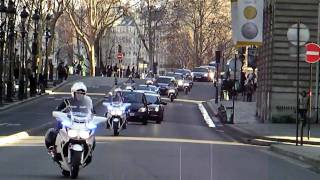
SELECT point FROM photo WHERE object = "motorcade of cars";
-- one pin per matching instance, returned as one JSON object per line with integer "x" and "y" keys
{"x": 200, "y": 74}
{"x": 155, "y": 107}
{"x": 138, "y": 110}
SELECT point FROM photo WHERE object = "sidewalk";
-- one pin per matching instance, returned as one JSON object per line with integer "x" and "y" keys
{"x": 280, "y": 137}
{"x": 6, "y": 105}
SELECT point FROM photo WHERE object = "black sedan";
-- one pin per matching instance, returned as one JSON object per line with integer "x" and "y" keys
{"x": 155, "y": 107}
{"x": 138, "y": 108}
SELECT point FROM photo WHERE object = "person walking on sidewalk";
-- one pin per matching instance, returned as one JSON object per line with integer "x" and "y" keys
{"x": 303, "y": 103}
{"x": 249, "y": 90}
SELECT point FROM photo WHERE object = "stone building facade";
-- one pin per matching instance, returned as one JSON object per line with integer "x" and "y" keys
{"x": 277, "y": 66}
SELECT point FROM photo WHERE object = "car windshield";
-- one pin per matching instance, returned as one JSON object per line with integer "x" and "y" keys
{"x": 152, "y": 99}
{"x": 181, "y": 71}
{"x": 132, "y": 97}
{"x": 200, "y": 70}
{"x": 164, "y": 80}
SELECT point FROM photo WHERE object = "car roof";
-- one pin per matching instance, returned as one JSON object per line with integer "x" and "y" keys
{"x": 144, "y": 85}
{"x": 133, "y": 91}
{"x": 152, "y": 94}
{"x": 170, "y": 77}
{"x": 145, "y": 91}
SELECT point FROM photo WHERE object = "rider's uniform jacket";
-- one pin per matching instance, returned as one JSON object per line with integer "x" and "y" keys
{"x": 84, "y": 105}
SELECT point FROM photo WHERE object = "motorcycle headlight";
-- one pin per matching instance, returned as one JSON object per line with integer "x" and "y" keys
{"x": 72, "y": 133}
{"x": 211, "y": 75}
{"x": 84, "y": 134}
{"x": 171, "y": 91}
{"x": 180, "y": 83}
{"x": 206, "y": 75}
{"x": 186, "y": 84}
{"x": 116, "y": 112}
{"x": 156, "y": 109}
{"x": 143, "y": 109}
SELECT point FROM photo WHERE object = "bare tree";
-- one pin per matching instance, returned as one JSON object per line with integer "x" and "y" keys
{"x": 91, "y": 18}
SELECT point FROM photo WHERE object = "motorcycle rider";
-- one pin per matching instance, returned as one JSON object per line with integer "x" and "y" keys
{"x": 79, "y": 102}
{"x": 117, "y": 98}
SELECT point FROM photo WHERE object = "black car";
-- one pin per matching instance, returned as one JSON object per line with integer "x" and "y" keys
{"x": 200, "y": 74}
{"x": 163, "y": 83}
{"x": 155, "y": 107}
{"x": 138, "y": 108}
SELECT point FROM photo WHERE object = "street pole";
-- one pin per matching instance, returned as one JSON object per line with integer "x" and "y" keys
{"x": 234, "y": 86}
{"x": 298, "y": 76}
{"x": 317, "y": 69}
{"x": 11, "y": 12}
{"x": 33, "y": 81}
{"x": 47, "y": 39}
{"x": 310, "y": 101}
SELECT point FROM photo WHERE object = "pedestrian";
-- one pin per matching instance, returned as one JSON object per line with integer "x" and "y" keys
{"x": 303, "y": 103}
{"x": 50, "y": 71}
{"x": 115, "y": 70}
{"x": 104, "y": 71}
{"x": 66, "y": 72}
{"x": 41, "y": 83}
{"x": 249, "y": 90}
{"x": 133, "y": 71}
{"x": 128, "y": 72}
{"x": 60, "y": 70}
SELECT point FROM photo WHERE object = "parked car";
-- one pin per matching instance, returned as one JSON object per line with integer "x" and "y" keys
{"x": 200, "y": 74}
{"x": 155, "y": 107}
{"x": 138, "y": 110}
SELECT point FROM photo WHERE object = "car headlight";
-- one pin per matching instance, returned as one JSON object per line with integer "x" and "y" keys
{"x": 156, "y": 109}
{"x": 72, "y": 133}
{"x": 180, "y": 83}
{"x": 84, "y": 134}
{"x": 206, "y": 75}
{"x": 143, "y": 109}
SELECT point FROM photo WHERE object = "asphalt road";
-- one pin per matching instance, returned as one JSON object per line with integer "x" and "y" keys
{"x": 182, "y": 147}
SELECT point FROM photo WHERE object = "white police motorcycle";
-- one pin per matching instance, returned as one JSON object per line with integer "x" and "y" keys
{"x": 75, "y": 141}
{"x": 116, "y": 115}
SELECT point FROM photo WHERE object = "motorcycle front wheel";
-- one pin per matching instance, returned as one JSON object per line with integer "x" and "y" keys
{"x": 115, "y": 132}
{"x": 171, "y": 98}
{"x": 75, "y": 163}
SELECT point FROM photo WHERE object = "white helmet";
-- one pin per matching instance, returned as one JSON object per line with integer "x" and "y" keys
{"x": 78, "y": 86}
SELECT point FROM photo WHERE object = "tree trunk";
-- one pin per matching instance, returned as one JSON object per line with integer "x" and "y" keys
{"x": 92, "y": 60}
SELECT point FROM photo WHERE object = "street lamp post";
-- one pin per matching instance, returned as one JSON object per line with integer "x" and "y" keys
{"x": 33, "y": 81}
{"x": 22, "y": 72}
{"x": 48, "y": 18}
{"x": 11, "y": 12}
{"x": 3, "y": 10}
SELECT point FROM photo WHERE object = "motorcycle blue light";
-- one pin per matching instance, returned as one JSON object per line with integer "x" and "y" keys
{"x": 66, "y": 123}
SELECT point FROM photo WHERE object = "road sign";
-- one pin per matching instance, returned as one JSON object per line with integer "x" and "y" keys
{"x": 312, "y": 53}
{"x": 120, "y": 56}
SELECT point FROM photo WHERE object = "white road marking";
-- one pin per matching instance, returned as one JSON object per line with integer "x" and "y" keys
{"x": 9, "y": 124}
{"x": 206, "y": 116}
{"x": 185, "y": 100}
{"x": 13, "y": 138}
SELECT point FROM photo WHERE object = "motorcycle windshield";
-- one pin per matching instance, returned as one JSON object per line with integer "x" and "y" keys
{"x": 83, "y": 116}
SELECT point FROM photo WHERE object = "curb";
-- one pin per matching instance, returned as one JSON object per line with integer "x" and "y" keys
{"x": 312, "y": 162}
{"x": 250, "y": 138}
{"x": 25, "y": 134}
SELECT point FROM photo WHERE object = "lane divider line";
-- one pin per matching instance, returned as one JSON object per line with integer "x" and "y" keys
{"x": 13, "y": 138}
{"x": 206, "y": 116}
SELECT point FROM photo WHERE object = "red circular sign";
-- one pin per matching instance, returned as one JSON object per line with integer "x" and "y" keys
{"x": 312, "y": 52}
{"x": 119, "y": 55}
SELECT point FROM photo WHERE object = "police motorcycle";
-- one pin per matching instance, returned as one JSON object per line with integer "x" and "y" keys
{"x": 186, "y": 87}
{"x": 75, "y": 141}
{"x": 116, "y": 115}
{"x": 172, "y": 91}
